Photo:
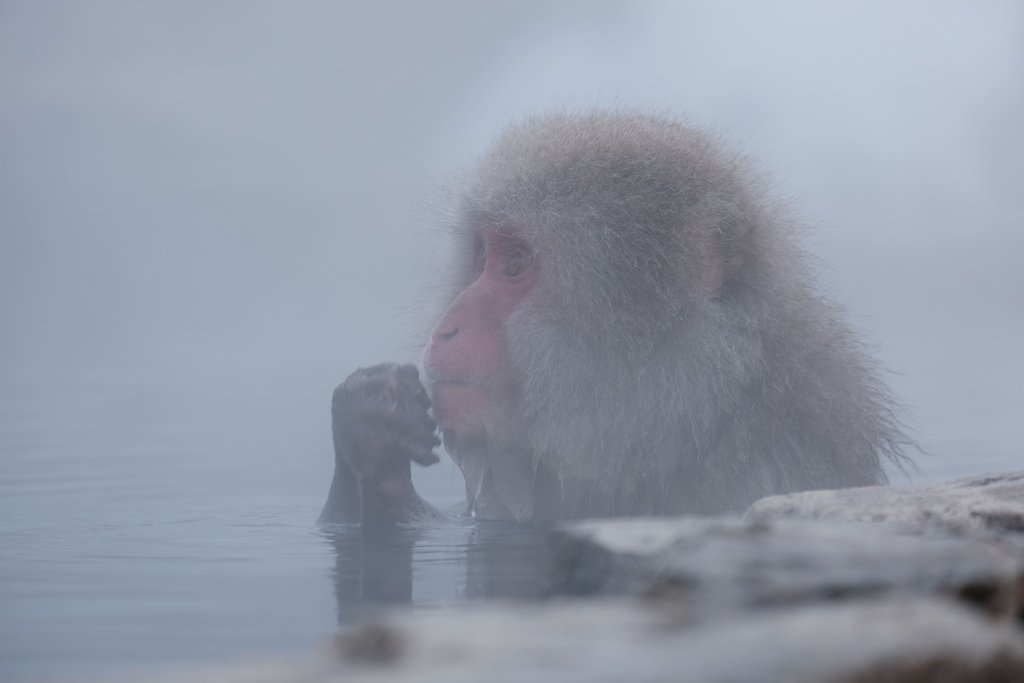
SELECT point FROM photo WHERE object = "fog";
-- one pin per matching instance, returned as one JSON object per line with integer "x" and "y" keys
{"x": 210, "y": 213}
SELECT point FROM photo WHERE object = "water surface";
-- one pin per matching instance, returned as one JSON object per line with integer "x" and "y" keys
{"x": 133, "y": 540}
{"x": 143, "y": 526}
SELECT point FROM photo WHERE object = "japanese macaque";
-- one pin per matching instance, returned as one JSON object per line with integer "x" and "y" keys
{"x": 633, "y": 330}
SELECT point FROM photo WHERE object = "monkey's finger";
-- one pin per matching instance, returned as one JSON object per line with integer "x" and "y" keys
{"x": 381, "y": 419}
{"x": 419, "y": 430}
{"x": 427, "y": 423}
{"x": 414, "y": 395}
{"x": 426, "y": 459}
{"x": 418, "y": 451}
{"x": 423, "y": 443}
{"x": 407, "y": 372}
{"x": 421, "y": 395}
{"x": 381, "y": 434}
{"x": 404, "y": 380}
{"x": 418, "y": 421}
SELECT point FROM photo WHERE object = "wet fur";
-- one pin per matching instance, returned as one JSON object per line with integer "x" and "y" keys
{"x": 675, "y": 356}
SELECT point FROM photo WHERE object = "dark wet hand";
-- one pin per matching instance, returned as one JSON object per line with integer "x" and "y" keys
{"x": 381, "y": 417}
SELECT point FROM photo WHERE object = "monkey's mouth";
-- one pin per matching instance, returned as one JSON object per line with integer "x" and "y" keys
{"x": 458, "y": 405}
{"x": 438, "y": 382}
{"x": 445, "y": 381}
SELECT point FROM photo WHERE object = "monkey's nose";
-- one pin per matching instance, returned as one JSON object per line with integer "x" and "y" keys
{"x": 447, "y": 335}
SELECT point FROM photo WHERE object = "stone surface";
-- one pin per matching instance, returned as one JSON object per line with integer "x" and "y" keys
{"x": 992, "y": 503}
{"x": 717, "y": 567}
{"x": 877, "y": 641}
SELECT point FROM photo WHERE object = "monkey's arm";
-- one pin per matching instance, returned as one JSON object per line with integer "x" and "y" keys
{"x": 380, "y": 422}
{"x": 344, "y": 500}
{"x": 394, "y": 499}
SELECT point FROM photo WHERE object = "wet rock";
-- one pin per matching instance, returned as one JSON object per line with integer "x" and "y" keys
{"x": 716, "y": 567}
{"x": 992, "y": 503}
{"x": 878, "y": 641}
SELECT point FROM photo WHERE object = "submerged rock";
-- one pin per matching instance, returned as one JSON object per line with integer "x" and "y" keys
{"x": 876, "y": 641}
{"x": 716, "y": 567}
{"x": 992, "y": 503}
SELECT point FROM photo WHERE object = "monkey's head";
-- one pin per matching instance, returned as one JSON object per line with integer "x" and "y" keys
{"x": 586, "y": 245}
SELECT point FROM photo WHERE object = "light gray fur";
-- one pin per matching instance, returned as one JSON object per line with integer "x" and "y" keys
{"x": 642, "y": 393}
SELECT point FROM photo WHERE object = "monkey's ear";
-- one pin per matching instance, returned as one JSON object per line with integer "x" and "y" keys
{"x": 718, "y": 268}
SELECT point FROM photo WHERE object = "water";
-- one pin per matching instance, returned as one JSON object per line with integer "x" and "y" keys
{"x": 166, "y": 520}
{"x": 133, "y": 538}
{"x": 231, "y": 579}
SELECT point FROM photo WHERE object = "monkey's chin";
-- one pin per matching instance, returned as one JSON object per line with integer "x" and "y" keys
{"x": 460, "y": 408}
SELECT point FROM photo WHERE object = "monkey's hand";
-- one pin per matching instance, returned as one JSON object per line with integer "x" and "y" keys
{"x": 381, "y": 424}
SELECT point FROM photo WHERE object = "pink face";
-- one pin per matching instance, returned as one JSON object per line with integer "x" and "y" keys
{"x": 466, "y": 362}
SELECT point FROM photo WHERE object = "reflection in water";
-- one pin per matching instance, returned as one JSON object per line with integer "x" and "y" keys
{"x": 394, "y": 566}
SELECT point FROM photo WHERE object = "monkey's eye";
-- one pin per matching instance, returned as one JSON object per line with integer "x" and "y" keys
{"x": 515, "y": 264}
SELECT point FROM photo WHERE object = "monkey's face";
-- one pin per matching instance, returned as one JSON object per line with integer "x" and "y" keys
{"x": 467, "y": 361}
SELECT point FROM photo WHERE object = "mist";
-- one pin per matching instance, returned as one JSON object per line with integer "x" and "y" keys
{"x": 211, "y": 213}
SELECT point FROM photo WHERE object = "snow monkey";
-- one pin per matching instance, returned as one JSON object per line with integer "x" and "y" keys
{"x": 633, "y": 330}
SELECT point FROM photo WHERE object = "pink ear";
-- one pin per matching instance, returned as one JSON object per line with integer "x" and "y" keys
{"x": 713, "y": 275}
